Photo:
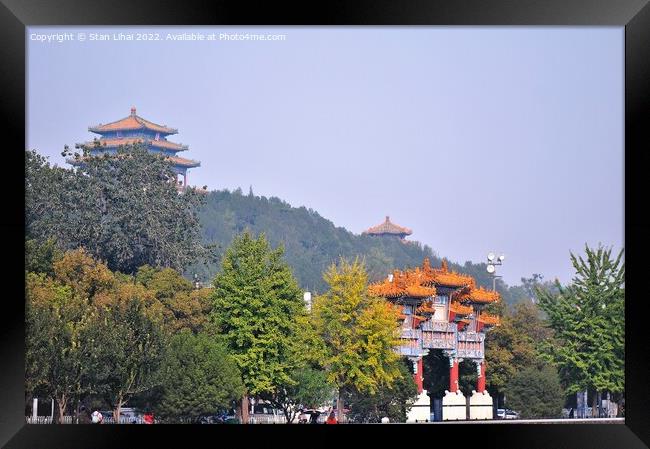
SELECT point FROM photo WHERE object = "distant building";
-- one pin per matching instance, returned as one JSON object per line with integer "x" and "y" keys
{"x": 388, "y": 229}
{"x": 135, "y": 129}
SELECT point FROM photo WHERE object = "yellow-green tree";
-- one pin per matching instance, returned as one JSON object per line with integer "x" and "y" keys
{"x": 360, "y": 332}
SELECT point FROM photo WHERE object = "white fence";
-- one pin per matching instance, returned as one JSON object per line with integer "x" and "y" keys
{"x": 46, "y": 420}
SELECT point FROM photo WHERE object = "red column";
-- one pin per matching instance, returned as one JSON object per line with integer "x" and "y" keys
{"x": 418, "y": 376}
{"x": 453, "y": 376}
{"x": 480, "y": 384}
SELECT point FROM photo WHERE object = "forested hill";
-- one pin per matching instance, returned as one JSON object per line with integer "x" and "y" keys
{"x": 311, "y": 242}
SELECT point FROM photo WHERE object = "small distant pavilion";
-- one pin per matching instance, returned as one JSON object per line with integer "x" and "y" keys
{"x": 388, "y": 229}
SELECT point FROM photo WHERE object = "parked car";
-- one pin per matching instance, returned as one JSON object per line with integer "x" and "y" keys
{"x": 503, "y": 413}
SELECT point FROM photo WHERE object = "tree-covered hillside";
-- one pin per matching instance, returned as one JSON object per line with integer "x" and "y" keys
{"x": 311, "y": 242}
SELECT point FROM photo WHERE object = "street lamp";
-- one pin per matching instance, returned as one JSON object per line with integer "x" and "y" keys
{"x": 491, "y": 267}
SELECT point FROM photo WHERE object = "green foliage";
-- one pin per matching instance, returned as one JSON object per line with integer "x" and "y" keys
{"x": 393, "y": 400}
{"x": 536, "y": 393}
{"x": 124, "y": 209}
{"x": 256, "y": 302}
{"x": 198, "y": 377}
{"x": 588, "y": 319}
{"x": 129, "y": 342}
{"x": 56, "y": 327}
{"x": 515, "y": 345}
{"x": 309, "y": 389}
{"x": 40, "y": 256}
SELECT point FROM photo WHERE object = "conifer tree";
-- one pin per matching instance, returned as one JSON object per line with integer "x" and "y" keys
{"x": 588, "y": 319}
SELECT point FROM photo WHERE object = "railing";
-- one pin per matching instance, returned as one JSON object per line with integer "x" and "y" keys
{"x": 267, "y": 419}
{"x": 438, "y": 326}
{"x": 471, "y": 336}
{"x": 411, "y": 333}
{"x": 46, "y": 420}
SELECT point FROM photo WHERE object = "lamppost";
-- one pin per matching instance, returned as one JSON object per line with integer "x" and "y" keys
{"x": 491, "y": 268}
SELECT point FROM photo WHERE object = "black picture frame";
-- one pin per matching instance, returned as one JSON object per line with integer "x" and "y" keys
{"x": 634, "y": 15}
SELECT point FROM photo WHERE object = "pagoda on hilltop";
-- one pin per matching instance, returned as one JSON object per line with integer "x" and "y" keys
{"x": 135, "y": 129}
{"x": 388, "y": 229}
{"x": 442, "y": 310}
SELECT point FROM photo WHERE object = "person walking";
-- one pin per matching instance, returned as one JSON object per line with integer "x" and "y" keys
{"x": 97, "y": 417}
{"x": 331, "y": 419}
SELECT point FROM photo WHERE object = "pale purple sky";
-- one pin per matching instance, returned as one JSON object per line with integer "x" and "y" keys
{"x": 505, "y": 139}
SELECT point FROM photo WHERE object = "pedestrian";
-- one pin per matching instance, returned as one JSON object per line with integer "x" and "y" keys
{"x": 314, "y": 417}
{"x": 97, "y": 417}
{"x": 148, "y": 418}
{"x": 571, "y": 413}
{"x": 331, "y": 419}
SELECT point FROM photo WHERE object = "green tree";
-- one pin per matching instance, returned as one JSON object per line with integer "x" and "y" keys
{"x": 61, "y": 357}
{"x": 129, "y": 343}
{"x": 40, "y": 256}
{"x": 535, "y": 392}
{"x": 55, "y": 323}
{"x": 360, "y": 332}
{"x": 256, "y": 303}
{"x": 393, "y": 401}
{"x": 310, "y": 388}
{"x": 588, "y": 319}
{"x": 515, "y": 345}
{"x": 124, "y": 209}
{"x": 198, "y": 377}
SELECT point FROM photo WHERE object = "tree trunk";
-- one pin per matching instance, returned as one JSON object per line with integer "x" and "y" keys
{"x": 600, "y": 404}
{"x": 594, "y": 405}
{"x": 61, "y": 403}
{"x": 117, "y": 410}
{"x": 339, "y": 407}
{"x": 244, "y": 409}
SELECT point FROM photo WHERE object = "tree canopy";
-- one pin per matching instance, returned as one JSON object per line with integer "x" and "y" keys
{"x": 360, "y": 332}
{"x": 198, "y": 377}
{"x": 124, "y": 209}
{"x": 588, "y": 319}
{"x": 256, "y": 302}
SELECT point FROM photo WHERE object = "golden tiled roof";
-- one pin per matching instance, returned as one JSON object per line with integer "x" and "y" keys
{"x": 130, "y": 122}
{"x": 489, "y": 320}
{"x": 183, "y": 162}
{"x": 478, "y": 295}
{"x": 443, "y": 277}
{"x": 388, "y": 227}
{"x": 460, "y": 309}
{"x": 403, "y": 284}
{"x": 426, "y": 307}
{"x": 129, "y": 141}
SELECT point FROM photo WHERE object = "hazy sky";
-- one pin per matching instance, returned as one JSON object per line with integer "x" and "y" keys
{"x": 505, "y": 139}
